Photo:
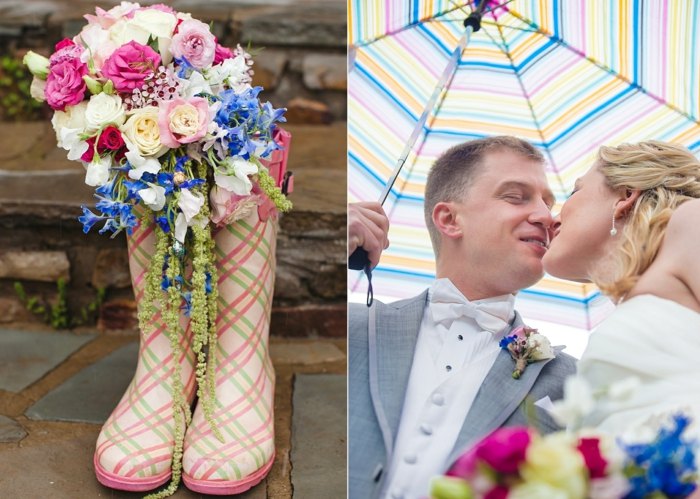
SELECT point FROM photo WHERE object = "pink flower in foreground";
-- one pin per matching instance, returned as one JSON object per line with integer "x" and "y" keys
{"x": 503, "y": 450}
{"x": 66, "y": 42}
{"x": 183, "y": 121}
{"x": 65, "y": 85}
{"x": 593, "y": 457}
{"x": 130, "y": 65}
{"x": 498, "y": 492}
{"x": 195, "y": 42}
{"x": 161, "y": 7}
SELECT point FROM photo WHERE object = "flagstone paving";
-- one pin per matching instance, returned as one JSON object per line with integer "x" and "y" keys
{"x": 49, "y": 426}
{"x": 318, "y": 441}
{"x": 25, "y": 356}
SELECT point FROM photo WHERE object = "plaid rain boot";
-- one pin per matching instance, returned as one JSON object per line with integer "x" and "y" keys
{"x": 242, "y": 453}
{"x": 136, "y": 445}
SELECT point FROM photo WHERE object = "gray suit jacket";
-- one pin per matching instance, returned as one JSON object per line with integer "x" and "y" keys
{"x": 381, "y": 343}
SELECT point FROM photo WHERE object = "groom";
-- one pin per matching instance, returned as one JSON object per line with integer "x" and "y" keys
{"x": 427, "y": 378}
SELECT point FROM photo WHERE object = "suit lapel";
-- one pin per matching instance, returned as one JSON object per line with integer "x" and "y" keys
{"x": 394, "y": 342}
{"x": 498, "y": 397}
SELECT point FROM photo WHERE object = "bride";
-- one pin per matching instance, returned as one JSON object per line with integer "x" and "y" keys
{"x": 632, "y": 226}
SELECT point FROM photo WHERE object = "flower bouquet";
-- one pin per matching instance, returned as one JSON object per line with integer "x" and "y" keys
{"x": 190, "y": 163}
{"x": 518, "y": 463}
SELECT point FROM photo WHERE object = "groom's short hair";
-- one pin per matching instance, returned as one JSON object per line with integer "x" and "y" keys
{"x": 452, "y": 173}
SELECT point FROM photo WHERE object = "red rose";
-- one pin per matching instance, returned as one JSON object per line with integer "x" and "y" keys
{"x": 110, "y": 140}
{"x": 498, "y": 492}
{"x": 590, "y": 450}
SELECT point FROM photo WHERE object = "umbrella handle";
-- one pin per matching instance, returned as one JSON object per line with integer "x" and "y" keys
{"x": 359, "y": 260}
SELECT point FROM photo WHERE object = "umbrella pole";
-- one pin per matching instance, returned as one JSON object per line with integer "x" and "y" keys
{"x": 359, "y": 260}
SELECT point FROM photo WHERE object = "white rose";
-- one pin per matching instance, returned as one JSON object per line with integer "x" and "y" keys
{"x": 543, "y": 348}
{"x": 102, "y": 110}
{"x": 98, "y": 39}
{"x": 124, "y": 31}
{"x": 156, "y": 22}
{"x": 233, "y": 72}
{"x": 141, "y": 129}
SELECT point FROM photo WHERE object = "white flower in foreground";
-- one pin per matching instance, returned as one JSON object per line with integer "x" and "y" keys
{"x": 554, "y": 460}
{"x": 153, "y": 197}
{"x": 624, "y": 389}
{"x": 536, "y": 490}
{"x": 233, "y": 72}
{"x": 98, "y": 171}
{"x": 577, "y": 402}
{"x": 236, "y": 180}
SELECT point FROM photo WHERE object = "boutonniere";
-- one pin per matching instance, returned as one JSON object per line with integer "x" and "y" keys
{"x": 526, "y": 345}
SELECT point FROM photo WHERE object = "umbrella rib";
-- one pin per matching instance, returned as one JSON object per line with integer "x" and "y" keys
{"x": 504, "y": 47}
{"x": 605, "y": 68}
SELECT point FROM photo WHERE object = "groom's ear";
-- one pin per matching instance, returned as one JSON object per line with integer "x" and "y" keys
{"x": 628, "y": 198}
{"x": 446, "y": 220}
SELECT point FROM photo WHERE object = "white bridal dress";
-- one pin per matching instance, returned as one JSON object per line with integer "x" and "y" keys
{"x": 656, "y": 341}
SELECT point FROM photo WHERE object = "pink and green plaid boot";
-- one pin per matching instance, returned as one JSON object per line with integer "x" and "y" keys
{"x": 243, "y": 452}
{"x": 136, "y": 445}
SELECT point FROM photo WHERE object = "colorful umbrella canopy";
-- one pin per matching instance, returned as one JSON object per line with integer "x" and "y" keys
{"x": 568, "y": 76}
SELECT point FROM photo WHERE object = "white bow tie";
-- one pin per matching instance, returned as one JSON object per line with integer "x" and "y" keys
{"x": 447, "y": 304}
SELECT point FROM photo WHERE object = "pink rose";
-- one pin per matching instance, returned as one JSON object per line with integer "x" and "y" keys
{"x": 130, "y": 65}
{"x": 222, "y": 53}
{"x": 195, "y": 43}
{"x": 183, "y": 121}
{"x": 64, "y": 84}
{"x": 66, "y": 42}
{"x": 64, "y": 52}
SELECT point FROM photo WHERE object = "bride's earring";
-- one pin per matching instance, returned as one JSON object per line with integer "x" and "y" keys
{"x": 613, "y": 231}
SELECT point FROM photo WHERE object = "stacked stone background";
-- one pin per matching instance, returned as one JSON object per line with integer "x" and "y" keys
{"x": 300, "y": 57}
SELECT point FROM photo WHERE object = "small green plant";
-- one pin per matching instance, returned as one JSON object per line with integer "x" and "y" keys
{"x": 57, "y": 314}
{"x": 16, "y": 102}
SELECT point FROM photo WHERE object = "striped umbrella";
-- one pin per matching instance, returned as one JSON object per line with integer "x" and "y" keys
{"x": 568, "y": 76}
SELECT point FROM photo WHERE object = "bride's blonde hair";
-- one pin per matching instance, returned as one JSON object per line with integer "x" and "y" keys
{"x": 667, "y": 175}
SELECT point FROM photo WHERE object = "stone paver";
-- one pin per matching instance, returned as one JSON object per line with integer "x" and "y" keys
{"x": 319, "y": 436}
{"x": 305, "y": 353}
{"x": 90, "y": 395}
{"x": 11, "y": 430}
{"x": 26, "y": 356}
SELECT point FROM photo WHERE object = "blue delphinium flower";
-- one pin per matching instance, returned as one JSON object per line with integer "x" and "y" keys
{"x": 88, "y": 219}
{"x": 507, "y": 340}
{"x": 207, "y": 282}
{"x": 187, "y": 305}
{"x": 663, "y": 466}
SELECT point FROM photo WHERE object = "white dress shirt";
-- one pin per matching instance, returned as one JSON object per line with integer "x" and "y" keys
{"x": 451, "y": 359}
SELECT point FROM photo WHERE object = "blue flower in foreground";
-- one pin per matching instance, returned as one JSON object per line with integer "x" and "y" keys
{"x": 665, "y": 465}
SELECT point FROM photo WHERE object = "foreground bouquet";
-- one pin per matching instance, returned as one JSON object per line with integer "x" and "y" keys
{"x": 175, "y": 140}
{"x": 518, "y": 463}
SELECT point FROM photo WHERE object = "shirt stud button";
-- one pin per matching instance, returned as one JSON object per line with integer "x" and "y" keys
{"x": 448, "y": 368}
{"x": 438, "y": 399}
{"x": 460, "y": 337}
{"x": 410, "y": 459}
{"x": 426, "y": 429}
